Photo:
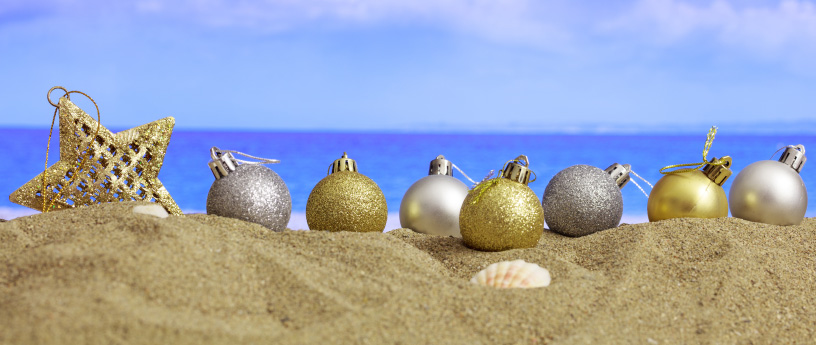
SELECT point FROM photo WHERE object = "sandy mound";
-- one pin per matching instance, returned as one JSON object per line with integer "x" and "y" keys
{"x": 105, "y": 275}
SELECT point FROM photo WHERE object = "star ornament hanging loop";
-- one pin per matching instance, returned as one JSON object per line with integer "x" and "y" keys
{"x": 98, "y": 166}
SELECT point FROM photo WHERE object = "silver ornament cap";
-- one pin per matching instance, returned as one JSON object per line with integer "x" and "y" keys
{"x": 432, "y": 204}
{"x": 771, "y": 192}
{"x": 582, "y": 199}
{"x": 619, "y": 172}
{"x": 222, "y": 163}
{"x": 441, "y": 166}
{"x": 518, "y": 170}
{"x": 794, "y": 156}
{"x": 249, "y": 191}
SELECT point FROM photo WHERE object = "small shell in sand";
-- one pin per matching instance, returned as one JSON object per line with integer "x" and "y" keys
{"x": 513, "y": 274}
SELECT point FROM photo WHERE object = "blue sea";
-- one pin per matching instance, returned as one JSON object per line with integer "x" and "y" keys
{"x": 396, "y": 160}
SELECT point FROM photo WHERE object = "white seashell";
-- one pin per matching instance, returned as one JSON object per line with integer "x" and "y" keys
{"x": 513, "y": 274}
{"x": 154, "y": 210}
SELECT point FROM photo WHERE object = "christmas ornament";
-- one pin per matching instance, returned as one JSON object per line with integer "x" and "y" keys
{"x": 248, "y": 191}
{"x": 346, "y": 201}
{"x": 431, "y": 205}
{"x": 503, "y": 213}
{"x": 583, "y": 199}
{"x": 770, "y": 191}
{"x": 97, "y": 166}
{"x": 691, "y": 192}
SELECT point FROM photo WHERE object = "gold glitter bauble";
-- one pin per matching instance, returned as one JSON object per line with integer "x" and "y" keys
{"x": 346, "y": 201}
{"x": 687, "y": 194}
{"x": 118, "y": 167}
{"x": 501, "y": 214}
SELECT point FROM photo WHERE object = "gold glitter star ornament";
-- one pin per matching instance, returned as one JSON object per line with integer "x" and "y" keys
{"x": 97, "y": 166}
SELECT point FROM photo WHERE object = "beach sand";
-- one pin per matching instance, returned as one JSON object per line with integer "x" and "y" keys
{"x": 104, "y": 275}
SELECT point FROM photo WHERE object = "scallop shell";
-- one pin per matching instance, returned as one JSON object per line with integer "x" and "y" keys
{"x": 513, "y": 274}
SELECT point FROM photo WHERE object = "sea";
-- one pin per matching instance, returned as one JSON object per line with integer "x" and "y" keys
{"x": 396, "y": 160}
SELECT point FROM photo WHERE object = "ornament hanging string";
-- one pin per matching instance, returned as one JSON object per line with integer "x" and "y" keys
{"x": 636, "y": 184}
{"x": 487, "y": 177}
{"x": 786, "y": 147}
{"x": 47, "y": 205}
{"x": 484, "y": 187}
{"x": 215, "y": 152}
{"x": 696, "y": 166}
{"x": 463, "y": 173}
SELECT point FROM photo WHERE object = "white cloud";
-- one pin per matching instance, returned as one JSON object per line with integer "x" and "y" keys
{"x": 785, "y": 27}
{"x": 791, "y": 25}
{"x": 781, "y": 30}
{"x": 513, "y": 20}
{"x": 531, "y": 22}
{"x": 771, "y": 28}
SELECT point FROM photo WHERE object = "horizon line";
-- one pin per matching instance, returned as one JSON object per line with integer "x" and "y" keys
{"x": 566, "y": 130}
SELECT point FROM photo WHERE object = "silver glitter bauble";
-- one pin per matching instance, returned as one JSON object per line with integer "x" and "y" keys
{"x": 769, "y": 192}
{"x": 253, "y": 193}
{"x": 581, "y": 200}
{"x": 431, "y": 205}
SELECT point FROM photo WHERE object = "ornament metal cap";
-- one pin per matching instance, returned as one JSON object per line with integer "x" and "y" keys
{"x": 343, "y": 164}
{"x": 718, "y": 173}
{"x": 794, "y": 156}
{"x": 517, "y": 170}
{"x": 441, "y": 166}
{"x": 619, "y": 172}
{"x": 223, "y": 163}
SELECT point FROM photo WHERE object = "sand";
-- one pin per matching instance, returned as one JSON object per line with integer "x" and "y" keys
{"x": 103, "y": 275}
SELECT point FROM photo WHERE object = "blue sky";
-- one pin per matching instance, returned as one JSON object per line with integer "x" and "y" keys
{"x": 416, "y": 65}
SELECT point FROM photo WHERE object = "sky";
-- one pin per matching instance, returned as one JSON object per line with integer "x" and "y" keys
{"x": 416, "y": 65}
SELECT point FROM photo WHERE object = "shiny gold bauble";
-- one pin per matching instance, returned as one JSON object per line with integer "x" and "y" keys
{"x": 501, "y": 215}
{"x": 346, "y": 201}
{"x": 687, "y": 194}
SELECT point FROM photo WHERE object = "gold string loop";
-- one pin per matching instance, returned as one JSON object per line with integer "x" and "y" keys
{"x": 47, "y": 206}
{"x": 66, "y": 95}
{"x": 517, "y": 174}
{"x": 696, "y": 166}
{"x": 482, "y": 188}
{"x": 486, "y": 184}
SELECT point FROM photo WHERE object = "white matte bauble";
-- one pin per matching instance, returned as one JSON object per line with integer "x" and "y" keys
{"x": 432, "y": 204}
{"x": 768, "y": 192}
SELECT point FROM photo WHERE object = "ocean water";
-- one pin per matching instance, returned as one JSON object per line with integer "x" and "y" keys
{"x": 396, "y": 160}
